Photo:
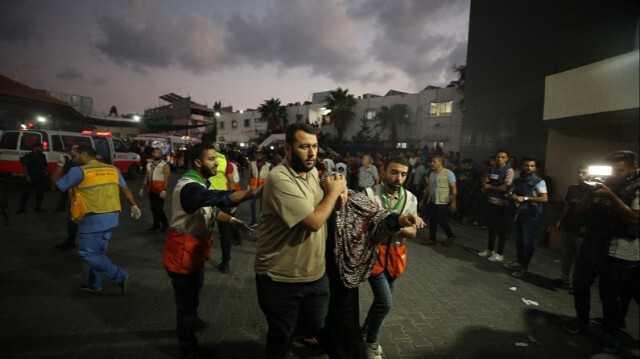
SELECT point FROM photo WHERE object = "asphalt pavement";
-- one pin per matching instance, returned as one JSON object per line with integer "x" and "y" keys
{"x": 450, "y": 303}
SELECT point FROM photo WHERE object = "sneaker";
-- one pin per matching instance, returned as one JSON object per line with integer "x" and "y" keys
{"x": 373, "y": 350}
{"x": 448, "y": 242}
{"x": 520, "y": 273}
{"x": 224, "y": 267}
{"x": 575, "y": 326}
{"x": 495, "y": 257}
{"x": 512, "y": 265}
{"x": 484, "y": 253}
{"x": 609, "y": 343}
{"x": 200, "y": 325}
{"x": 86, "y": 288}
{"x": 124, "y": 285}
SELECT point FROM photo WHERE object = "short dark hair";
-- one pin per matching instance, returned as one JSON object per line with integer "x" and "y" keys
{"x": 396, "y": 159}
{"x": 298, "y": 126}
{"x": 196, "y": 151}
{"x": 628, "y": 157}
{"x": 530, "y": 159}
{"x": 502, "y": 150}
{"x": 87, "y": 149}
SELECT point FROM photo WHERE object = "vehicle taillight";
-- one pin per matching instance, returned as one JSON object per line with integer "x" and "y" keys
{"x": 45, "y": 145}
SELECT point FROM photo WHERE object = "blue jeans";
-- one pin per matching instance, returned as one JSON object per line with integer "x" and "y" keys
{"x": 186, "y": 289}
{"x": 526, "y": 226}
{"x": 92, "y": 247}
{"x": 382, "y": 287}
{"x": 254, "y": 218}
{"x": 290, "y": 305}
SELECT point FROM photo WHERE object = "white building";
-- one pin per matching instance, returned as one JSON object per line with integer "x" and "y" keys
{"x": 435, "y": 117}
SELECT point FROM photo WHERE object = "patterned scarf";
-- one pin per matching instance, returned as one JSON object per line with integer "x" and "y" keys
{"x": 360, "y": 228}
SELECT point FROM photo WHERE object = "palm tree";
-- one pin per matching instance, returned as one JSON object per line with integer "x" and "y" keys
{"x": 341, "y": 103}
{"x": 391, "y": 117}
{"x": 274, "y": 113}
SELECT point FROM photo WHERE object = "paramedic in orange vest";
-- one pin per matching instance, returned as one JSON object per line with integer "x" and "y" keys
{"x": 156, "y": 182}
{"x": 95, "y": 205}
{"x": 259, "y": 171}
{"x": 194, "y": 208}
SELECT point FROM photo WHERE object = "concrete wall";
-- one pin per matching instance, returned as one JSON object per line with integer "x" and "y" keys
{"x": 570, "y": 152}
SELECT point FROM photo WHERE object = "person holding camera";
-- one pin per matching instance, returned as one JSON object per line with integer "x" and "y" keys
{"x": 530, "y": 195}
{"x": 610, "y": 247}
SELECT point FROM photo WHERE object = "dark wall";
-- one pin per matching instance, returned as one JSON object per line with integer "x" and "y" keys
{"x": 513, "y": 45}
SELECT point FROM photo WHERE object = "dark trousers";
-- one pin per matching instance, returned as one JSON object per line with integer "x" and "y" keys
{"x": 584, "y": 273}
{"x": 38, "y": 186}
{"x": 157, "y": 204}
{"x": 228, "y": 235}
{"x": 496, "y": 221}
{"x": 186, "y": 289}
{"x": 290, "y": 305}
{"x": 526, "y": 227}
{"x": 438, "y": 217}
{"x": 615, "y": 274}
{"x": 72, "y": 231}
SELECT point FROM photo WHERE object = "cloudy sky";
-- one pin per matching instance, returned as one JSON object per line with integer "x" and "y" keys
{"x": 239, "y": 52}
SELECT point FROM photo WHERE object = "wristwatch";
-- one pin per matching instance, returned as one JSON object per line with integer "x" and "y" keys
{"x": 526, "y": 198}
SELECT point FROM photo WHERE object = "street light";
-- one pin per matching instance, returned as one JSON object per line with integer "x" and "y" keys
{"x": 41, "y": 119}
{"x": 136, "y": 118}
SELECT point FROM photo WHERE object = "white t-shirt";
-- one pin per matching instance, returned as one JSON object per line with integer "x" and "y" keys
{"x": 627, "y": 248}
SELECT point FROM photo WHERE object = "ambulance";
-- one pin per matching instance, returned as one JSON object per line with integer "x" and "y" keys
{"x": 16, "y": 143}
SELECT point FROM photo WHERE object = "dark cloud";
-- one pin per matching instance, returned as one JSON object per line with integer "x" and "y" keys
{"x": 69, "y": 74}
{"x": 408, "y": 36}
{"x": 319, "y": 35}
{"x": 143, "y": 38}
{"x": 16, "y": 26}
{"x": 99, "y": 81}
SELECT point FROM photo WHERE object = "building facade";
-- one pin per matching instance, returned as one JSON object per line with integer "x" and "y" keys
{"x": 181, "y": 111}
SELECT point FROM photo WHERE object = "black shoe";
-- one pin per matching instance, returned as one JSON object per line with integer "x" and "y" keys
{"x": 85, "y": 288}
{"x": 65, "y": 245}
{"x": 124, "y": 285}
{"x": 153, "y": 229}
{"x": 224, "y": 267}
{"x": 200, "y": 325}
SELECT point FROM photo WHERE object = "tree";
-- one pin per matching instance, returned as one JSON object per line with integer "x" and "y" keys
{"x": 341, "y": 103}
{"x": 391, "y": 117}
{"x": 275, "y": 114}
{"x": 461, "y": 70}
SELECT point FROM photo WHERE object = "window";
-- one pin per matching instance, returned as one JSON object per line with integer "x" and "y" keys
{"x": 29, "y": 139}
{"x": 371, "y": 114}
{"x": 63, "y": 143}
{"x": 298, "y": 117}
{"x": 221, "y": 125}
{"x": 118, "y": 146}
{"x": 247, "y": 122}
{"x": 401, "y": 145}
{"x": 102, "y": 149}
{"x": 438, "y": 109}
{"x": 234, "y": 123}
{"x": 259, "y": 120}
{"x": 9, "y": 140}
{"x": 56, "y": 143}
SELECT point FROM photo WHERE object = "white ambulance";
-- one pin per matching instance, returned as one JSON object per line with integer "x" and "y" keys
{"x": 16, "y": 143}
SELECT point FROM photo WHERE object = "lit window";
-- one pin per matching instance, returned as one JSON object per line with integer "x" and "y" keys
{"x": 401, "y": 145}
{"x": 234, "y": 124}
{"x": 438, "y": 109}
{"x": 371, "y": 114}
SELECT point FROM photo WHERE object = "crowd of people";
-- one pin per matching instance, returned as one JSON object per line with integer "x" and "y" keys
{"x": 327, "y": 222}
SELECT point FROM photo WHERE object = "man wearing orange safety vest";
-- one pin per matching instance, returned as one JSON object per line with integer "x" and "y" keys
{"x": 259, "y": 171}
{"x": 194, "y": 208}
{"x": 95, "y": 205}
{"x": 156, "y": 183}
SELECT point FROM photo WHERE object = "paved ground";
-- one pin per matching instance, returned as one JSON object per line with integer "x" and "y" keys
{"x": 449, "y": 304}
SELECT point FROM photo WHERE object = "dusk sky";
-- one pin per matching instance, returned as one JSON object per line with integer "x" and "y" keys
{"x": 239, "y": 52}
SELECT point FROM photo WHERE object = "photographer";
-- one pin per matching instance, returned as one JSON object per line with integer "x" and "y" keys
{"x": 610, "y": 247}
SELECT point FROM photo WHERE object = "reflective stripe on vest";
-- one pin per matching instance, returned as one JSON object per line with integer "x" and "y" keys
{"x": 219, "y": 181}
{"x": 98, "y": 192}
